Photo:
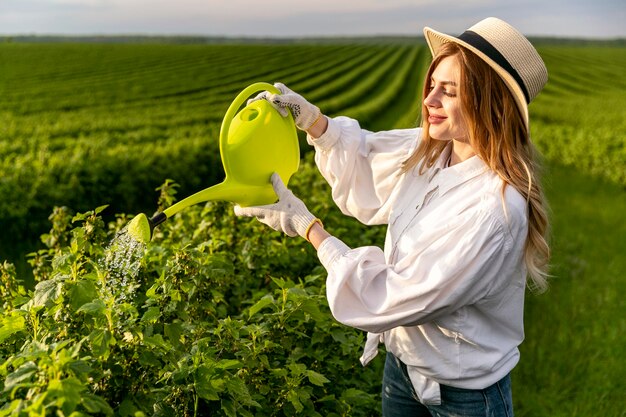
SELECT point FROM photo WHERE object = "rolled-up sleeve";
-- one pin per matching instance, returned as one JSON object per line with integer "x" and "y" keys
{"x": 362, "y": 167}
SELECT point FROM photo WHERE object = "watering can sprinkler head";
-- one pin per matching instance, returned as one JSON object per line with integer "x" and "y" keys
{"x": 140, "y": 228}
{"x": 254, "y": 143}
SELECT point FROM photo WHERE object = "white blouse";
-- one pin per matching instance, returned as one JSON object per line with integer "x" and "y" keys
{"x": 446, "y": 295}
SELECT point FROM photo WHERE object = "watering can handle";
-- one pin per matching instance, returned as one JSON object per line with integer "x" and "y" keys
{"x": 239, "y": 100}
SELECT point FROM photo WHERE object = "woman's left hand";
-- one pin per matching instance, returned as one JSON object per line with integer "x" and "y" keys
{"x": 289, "y": 215}
{"x": 304, "y": 113}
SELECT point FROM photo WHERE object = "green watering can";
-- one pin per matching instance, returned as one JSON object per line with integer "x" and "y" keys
{"x": 254, "y": 143}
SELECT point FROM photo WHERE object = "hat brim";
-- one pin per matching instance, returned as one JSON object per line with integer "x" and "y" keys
{"x": 436, "y": 39}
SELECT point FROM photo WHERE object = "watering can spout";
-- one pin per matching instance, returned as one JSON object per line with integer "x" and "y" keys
{"x": 140, "y": 227}
{"x": 254, "y": 143}
{"x": 242, "y": 194}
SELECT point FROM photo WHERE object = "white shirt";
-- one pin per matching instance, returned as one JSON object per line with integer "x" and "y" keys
{"x": 446, "y": 295}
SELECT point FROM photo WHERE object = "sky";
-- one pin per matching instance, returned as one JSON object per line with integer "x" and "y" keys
{"x": 309, "y": 18}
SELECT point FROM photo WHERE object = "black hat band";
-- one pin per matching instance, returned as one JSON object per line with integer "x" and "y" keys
{"x": 472, "y": 38}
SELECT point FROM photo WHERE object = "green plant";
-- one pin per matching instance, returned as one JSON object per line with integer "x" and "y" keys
{"x": 218, "y": 319}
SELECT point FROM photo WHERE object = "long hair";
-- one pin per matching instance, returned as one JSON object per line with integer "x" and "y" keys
{"x": 500, "y": 137}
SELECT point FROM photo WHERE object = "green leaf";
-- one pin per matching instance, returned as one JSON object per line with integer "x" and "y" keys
{"x": 294, "y": 398}
{"x": 100, "y": 341}
{"x": 46, "y": 292}
{"x": 297, "y": 369}
{"x": 339, "y": 335}
{"x": 11, "y": 409}
{"x": 80, "y": 368}
{"x": 127, "y": 408}
{"x": 316, "y": 378}
{"x": 79, "y": 216}
{"x": 158, "y": 342}
{"x": 297, "y": 293}
{"x": 21, "y": 374}
{"x": 353, "y": 394}
{"x": 239, "y": 391}
{"x": 280, "y": 282}
{"x": 81, "y": 293}
{"x": 229, "y": 364}
{"x": 228, "y": 408}
{"x": 95, "y": 404}
{"x": 148, "y": 359}
{"x": 207, "y": 387}
{"x": 151, "y": 315}
{"x": 11, "y": 324}
{"x": 206, "y": 391}
{"x": 311, "y": 306}
{"x": 173, "y": 331}
{"x": 94, "y": 307}
{"x": 263, "y": 302}
{"x": 67, "y": 393}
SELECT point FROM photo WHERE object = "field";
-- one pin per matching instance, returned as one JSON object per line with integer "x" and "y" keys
{"x": 218, "y": 299}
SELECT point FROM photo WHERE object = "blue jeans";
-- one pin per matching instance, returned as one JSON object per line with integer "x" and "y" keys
{"x": 400, "y": 400}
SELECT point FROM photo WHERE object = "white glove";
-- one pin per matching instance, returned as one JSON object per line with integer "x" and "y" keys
{"x": 304, "y": 113}
{"x": 289, "y": 215}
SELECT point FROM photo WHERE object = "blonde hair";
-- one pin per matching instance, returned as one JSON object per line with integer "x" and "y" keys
{"x": 500, "y": 137}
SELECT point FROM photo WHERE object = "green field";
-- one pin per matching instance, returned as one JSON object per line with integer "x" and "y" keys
{"x": 86, "y": 125}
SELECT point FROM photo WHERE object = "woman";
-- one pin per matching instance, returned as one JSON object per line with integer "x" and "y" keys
{"x": 466, "y": 222}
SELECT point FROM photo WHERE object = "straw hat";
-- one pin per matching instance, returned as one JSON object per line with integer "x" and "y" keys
{"x": 507, "y": 51}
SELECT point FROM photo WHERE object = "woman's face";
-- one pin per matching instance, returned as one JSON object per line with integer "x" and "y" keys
{"x": 443, "y": 104}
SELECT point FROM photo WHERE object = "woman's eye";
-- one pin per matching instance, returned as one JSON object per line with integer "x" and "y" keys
{"x": 443, "y": 91}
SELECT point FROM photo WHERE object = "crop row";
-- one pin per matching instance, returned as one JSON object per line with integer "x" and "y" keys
{"x": 123, "y": 109}
{"x": 380, "y": 95}
{"x": 357, "y": 91}
{"x": 175, "y": 75}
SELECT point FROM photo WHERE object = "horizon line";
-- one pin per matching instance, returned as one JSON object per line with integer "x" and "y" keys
{"x": 275, "y": 37}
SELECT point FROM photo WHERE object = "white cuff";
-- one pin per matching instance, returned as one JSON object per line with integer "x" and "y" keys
{"x": 371, "y": 347}
{"x": 330, "y": 250}
{"x": 328, "y": 138}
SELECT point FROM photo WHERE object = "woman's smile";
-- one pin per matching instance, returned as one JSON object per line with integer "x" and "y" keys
{"x": 434, "y": 119}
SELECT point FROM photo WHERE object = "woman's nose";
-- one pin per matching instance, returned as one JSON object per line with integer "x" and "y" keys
{"x": 431, "y": 99}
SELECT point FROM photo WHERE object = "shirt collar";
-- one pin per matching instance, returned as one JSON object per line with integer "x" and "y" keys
{"x": 458, "y": 174}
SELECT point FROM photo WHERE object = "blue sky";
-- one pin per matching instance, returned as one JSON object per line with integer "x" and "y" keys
{"x": 283, "y": 18}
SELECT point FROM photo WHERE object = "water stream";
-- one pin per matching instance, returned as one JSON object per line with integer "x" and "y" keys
{"x": 123, "y": 260}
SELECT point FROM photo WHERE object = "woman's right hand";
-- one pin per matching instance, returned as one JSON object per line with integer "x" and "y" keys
{"x": 304, "y": 113}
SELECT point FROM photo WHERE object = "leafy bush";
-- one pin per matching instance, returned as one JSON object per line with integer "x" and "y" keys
{"x": 217, "y": 316}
